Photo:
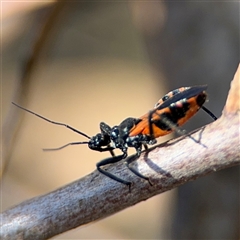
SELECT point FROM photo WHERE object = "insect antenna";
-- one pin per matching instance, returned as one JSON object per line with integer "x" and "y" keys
{"x": 57, "y": 123}
{"x": 68, "y": 144}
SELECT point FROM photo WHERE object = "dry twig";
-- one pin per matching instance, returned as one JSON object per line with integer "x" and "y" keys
{"x": 95, "y": 196}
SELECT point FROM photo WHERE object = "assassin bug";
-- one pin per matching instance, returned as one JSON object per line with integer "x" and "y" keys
{"x": 169, "y": 113}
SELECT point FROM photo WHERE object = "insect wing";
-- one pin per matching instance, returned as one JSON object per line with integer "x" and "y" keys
{"x": 177, "y": 109}
{"x": 169, "y": 95}
{"x": 187, "y": 94}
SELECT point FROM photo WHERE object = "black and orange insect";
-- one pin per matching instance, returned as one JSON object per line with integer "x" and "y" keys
{"x": 169, "y": 113}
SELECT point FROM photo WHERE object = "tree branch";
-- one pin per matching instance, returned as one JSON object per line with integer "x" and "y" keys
{"x": 95, "y": 196}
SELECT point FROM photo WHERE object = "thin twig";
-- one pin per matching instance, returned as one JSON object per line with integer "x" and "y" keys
{"x": 95, "y": 196}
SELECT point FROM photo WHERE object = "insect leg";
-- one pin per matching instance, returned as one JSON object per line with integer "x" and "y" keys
{"x": 145, "y": 146}
{"x": 150, "y": 124}
{"x": 111, "y": 151}
{"x": 174, "y": 127}
{"x": 132, "y": 169}
{"x": 209, "y": 113}
{"x": 110, "y": 175}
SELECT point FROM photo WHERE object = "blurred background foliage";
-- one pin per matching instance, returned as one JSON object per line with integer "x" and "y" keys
{"x": 85, "y": 62}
